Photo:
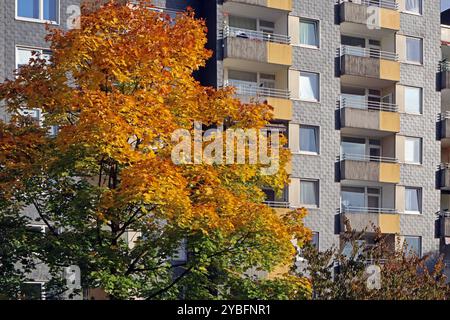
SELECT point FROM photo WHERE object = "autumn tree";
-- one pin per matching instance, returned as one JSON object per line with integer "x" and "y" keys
{"x": 341, "y": 274}
{"x": 113, "y": 201}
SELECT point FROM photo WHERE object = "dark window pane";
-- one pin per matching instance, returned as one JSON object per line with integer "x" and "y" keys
{"x": 31, "y": 291}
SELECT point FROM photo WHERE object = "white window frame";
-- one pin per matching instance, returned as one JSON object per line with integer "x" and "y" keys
{"x": 318, "y": 35}
{"x": 421, "y": 51}
{"x": 367, "y": 194}
{"x": 53, "y": 130}
{"x": 420, "y": 242}
{"x": 420, "y": 151}
{"x": 41, "y": 226}
{"x": 317, "y": 185}
{"x": 421, "y": 101}
{"x": 42, "y": 283}
{"x": 420, "y": 201}
{"x": 420, "y": 13}
{"x": 20, "y": 47}
{"x": 318, "y": 87}
{"x": 41, "y": 13}
{"x": 317, "y": 128}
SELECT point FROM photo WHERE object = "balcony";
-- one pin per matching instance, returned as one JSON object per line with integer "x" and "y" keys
{"x": 363, "y": 114}
{"x": 369, "y": 168}
{"x": 279, "y": 202}
{"x": 285, "y": 5}
{"x": 279, "y": 99}
{"x": 364, "y": 219}
{"x": 251, "y": 45}
{"x": 444, "y": 222}
{"x": 358, "y": 12}
{"x": 358, "y": 64}
{"x": 444, "y": 73}
{"x": 444, "y": 120}
{"x": 444, "y": 176}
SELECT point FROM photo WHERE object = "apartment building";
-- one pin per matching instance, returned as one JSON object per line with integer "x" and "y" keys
{"x": 355, "y": 87}
{"x": 361, "y": 89}
{"x": 22, "y": 32}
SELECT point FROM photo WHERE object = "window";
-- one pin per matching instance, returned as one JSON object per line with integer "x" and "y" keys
{"x": 413, "y": 200}
{"x": 242, "y": 23}
{"x": 309, "y": 33}
{"x": 360, "y": 149}
{"x": 360, "y": 199}
{"x": 38, "y": 10}
{"x": 32, "y": 291}
{"x": 413, "y": 150}
{"x": 413, "y": 245}
{"x": 309, "y": 193}
{"x": 315, "y": 240}
{"x": 309, "y": 139}
{"x": 413, "y": 100}
{"x": 413, "y": 6}
{"x": 309, "y": 86}
{"x": 23, "y": 55}
{"x": 414, "y": 50}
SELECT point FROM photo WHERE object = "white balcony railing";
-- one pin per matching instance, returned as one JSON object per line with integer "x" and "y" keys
{"x": 367, "y": 158}
{"x": 277, "y": 204}
{"x": 255, "y": 35}
{"x": 387, "y": 4}
{"x": 368, "y": 53}
{"x": 444, "y": 115}
{"x": 360, "y": 102}
{"x": 350, "y": 209}
{"x": 444, "y": 65}
{"x": 252, "y": 89}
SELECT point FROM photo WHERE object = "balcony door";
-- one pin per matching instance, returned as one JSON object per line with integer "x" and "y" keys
{"x": 360, "y": 199}
{"x": 360, "y": 149}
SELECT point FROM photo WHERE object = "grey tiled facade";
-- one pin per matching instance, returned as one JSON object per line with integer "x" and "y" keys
{"x": 324, "y": 114}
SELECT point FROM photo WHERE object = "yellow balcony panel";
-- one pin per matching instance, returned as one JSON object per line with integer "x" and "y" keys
{"x": 279, "y": 53}
{"x": 282, "y": 108}
{"x": 389, "y": 223}
{"x": 389, "y": 121}
{"x": 282, "y": 211}
{"x": 389, "y": 172}
{"x": 389, "y": 70}
{"x": 288, "y": 167}
{"x": 285, "y": 5}
{"x": 389, "y": 19}
{"x": 355, "y": 13}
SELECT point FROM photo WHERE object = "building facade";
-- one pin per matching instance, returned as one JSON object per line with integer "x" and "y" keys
{"x": 22, "y": 32}
{"x": 355, "y": 86}
{"x": 361, "y": 89}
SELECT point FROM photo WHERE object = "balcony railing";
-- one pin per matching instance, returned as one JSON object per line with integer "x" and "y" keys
{"x": 444, "y": 65}
{"x": 277, "y": 204}
{"x": 444, "y": 115}
{"x": 255, "y": 35}
{"x": 367, "y": 158}
{"x": 368, "y": 53}
{"x": 350, "y": 209}
{"x": 365, "y": 104}
{"x": 252, "y": 89}
{"x": 387, "y": 4}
